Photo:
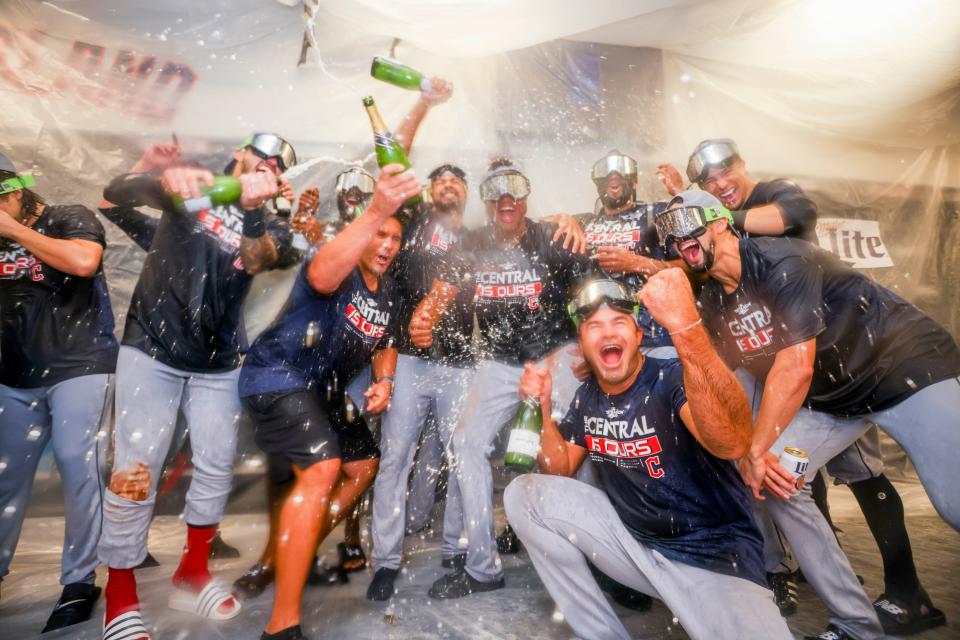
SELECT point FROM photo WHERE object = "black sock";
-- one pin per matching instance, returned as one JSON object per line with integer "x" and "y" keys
{"x": 883, "y": 509}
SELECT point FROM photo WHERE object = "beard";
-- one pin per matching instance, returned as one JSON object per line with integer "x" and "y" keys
{"x": 448, "y": 206}
{"x": 616, "y": 203}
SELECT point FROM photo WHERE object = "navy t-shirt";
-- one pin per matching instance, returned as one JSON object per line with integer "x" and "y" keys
{"x": 874, "y": 349}
{"x": 54, "y": 326}
{"x": 634, "y": 231}
{"x": 186, "y": 307}
{"x": 520, "y": 291}
{"x": 352, "y": 322}
{"x": 799, "y": 211}
{"x": 428, "y": 252}
{"x": 671, "y": 493}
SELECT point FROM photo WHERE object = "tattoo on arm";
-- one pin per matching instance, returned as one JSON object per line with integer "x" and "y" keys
{"x": 258, "y": 254}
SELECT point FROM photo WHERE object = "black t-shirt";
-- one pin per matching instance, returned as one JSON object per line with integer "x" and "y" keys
{"x": 428, "y": 253}
{"x": 520, "y": 291}
{"x": 799, "y": 211}
{"x": 186, "y": 307}
{"x": 54, "y": 326}
{"x": 671, "y": 493}
{"x": 352, "y": 322}
{"x": 634, "y": 231}
{"x": 874, "y": 349}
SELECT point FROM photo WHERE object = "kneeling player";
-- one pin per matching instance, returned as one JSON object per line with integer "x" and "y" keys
{"x": 673, "y": 519}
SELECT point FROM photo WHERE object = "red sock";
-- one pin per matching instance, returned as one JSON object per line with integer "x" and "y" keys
{"x": 193, "y": 571}
{"x": 121, "y": 592}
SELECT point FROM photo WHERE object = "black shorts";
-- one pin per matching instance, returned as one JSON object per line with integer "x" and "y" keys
{"x": 301, "y": 427}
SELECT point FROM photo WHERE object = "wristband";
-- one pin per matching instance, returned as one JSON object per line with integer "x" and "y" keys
{"x": 739, "y": 219}
{"x": 689, "y": 326}
{"x": 254, "y": 225}
{"x": 387, "y": 378}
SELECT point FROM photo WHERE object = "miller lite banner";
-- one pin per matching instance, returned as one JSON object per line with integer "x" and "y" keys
{"x": 856, "y": 242}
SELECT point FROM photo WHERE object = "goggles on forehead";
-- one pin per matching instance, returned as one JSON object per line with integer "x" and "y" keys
{"x": 709, "y": 154}
{"x": 688, "y": 222}
{"x": 16, "y": 184}
{"x": 452, "y": 169}
{"x": 270, "y": 145}
{"x": 597, "y": 293}
{"x": 512, "y": 183}
{"x": 614, "y": 163}
{"x": 355, "y": 178}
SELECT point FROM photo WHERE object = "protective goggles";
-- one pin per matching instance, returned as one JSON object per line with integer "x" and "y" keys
{"x": 452, "y": 169}
{"x": 355, "y": 179}
{"x": 597, "y": 293}
{"x": 624, "y": 165}
{"x": 16, "y": 184}
{"x": 688, "y": 222}
{"x": 710, "y": 154}
{"x": 512, "y": 184}
{"x": 270, "y": 145}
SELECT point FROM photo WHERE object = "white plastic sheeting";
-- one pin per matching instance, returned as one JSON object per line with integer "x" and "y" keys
{"x": 855, "y": 100}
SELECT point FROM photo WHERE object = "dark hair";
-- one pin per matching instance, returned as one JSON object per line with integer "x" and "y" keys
{"x": 30, "y": 198}
{"x": 501, "y": 161}
{"x": 448, "y": 168}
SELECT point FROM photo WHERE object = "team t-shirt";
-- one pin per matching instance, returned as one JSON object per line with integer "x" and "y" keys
{"x": 520, "y": 291}
{"x": 186, "y": 307}
{"x": 874, "y": 349}
{"x": 54, "y": 326}
{"x": 799, "y": 211}
{"x": 634, "y": 231}
{"x": 429, "y": 252}
{"x": 671, "y": 493}
{"x": 349, "y": 324}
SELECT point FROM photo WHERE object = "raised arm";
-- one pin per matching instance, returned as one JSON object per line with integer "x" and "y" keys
{"x": 336, "y": 259}
{"x": 429, "y": 312}
{"x": 716, "y": 411}
{"x": 557, "y": 456}
{"x": 440, "y": 92}
{"x": 74, "y": 256}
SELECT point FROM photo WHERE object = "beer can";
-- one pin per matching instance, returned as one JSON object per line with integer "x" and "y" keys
{"x": 313, "y": 332}
{"x": 795, "y": 461}
{"x": 349, "y": 409}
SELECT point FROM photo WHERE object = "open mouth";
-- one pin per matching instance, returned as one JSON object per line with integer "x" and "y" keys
{"x": 729, "y": 196}
{"x": 611, "y": 355}
{"x": 691, "y": 250}
{"x": 382, "y": 261}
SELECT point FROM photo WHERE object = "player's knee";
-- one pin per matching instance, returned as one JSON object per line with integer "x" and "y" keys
{"x": 518, "y": 499}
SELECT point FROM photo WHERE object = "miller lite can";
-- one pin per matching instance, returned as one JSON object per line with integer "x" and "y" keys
{"x": 795, "y": 461}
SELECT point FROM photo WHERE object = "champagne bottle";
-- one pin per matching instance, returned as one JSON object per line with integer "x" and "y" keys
{"x": 389, "y": 151}
{"x": 523, "y": 447}
{"x": 398, "y": 74}
{"x": 225, "y": 190}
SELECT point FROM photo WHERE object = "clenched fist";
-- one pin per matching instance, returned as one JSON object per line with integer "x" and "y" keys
{"x": 669, "y": 299}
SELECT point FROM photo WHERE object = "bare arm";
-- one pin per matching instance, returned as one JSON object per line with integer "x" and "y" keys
{"x": 258, "y": 254}
{"x": 440, "y": 92}
{"x": 384, "y": 366}
{"x": 765, "y": 220}
{"x": 336, "y": 259}
{"x": 557, "y": 456}
{"x": 77, "y": 257}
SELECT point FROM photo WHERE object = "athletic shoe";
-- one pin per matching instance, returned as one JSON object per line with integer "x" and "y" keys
{"x": 290, "y": 633}
{"x": 254, "y": 582}
{"x": 322, "y": 575}
{"x": 902, "y": 618}
{"x": 459, "y": 584}
{"x": 75, "y": 605}
{"x": 352, "y": 558}
{"x": 832, "y": 633}
{"x": 507, "y": 542}
{"x": 220, "y": 550}
{"x": 381, "y": 587}
{"x": 784, "y": 592}
{"x": 457, "y": 562}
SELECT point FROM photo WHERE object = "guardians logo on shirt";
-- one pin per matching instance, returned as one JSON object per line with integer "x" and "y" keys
{"x": 442, "y": 240}
{"x": 16, "y": 262}
{"x": 224, "y": 224}
{"x": 752, "y": 328}
{"x": 629, "y": 443}
{"x": 510, "y": 285}
{"x": 365, "y": 318}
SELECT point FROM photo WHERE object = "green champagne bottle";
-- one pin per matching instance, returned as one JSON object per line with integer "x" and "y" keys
{"x": 225, "y": 190}
{"x": 523, "y": 447}
{"x": 398, "y": 74}
{"x": 388, "y": 150}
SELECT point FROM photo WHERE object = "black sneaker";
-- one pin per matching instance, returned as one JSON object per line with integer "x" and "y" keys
{"x": 459, "y": 584}
{"x": 352, "y": 558}
{"x": 290, "y": 633}
{"x": 832, "y": 633}
{"x": 220, "y": 550}
{"x": 902, "y": 617}
{"x": 75, "y": 605}
{"x": 784, "y": 592}
{"x": 254, "y": 582}
{"x": 507, "y": 542}
{"x": 322, "y": 575}
{"x": 381, "y": 587}
{"x": 456, "y": 562}
{"x": 148, "y": 563}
